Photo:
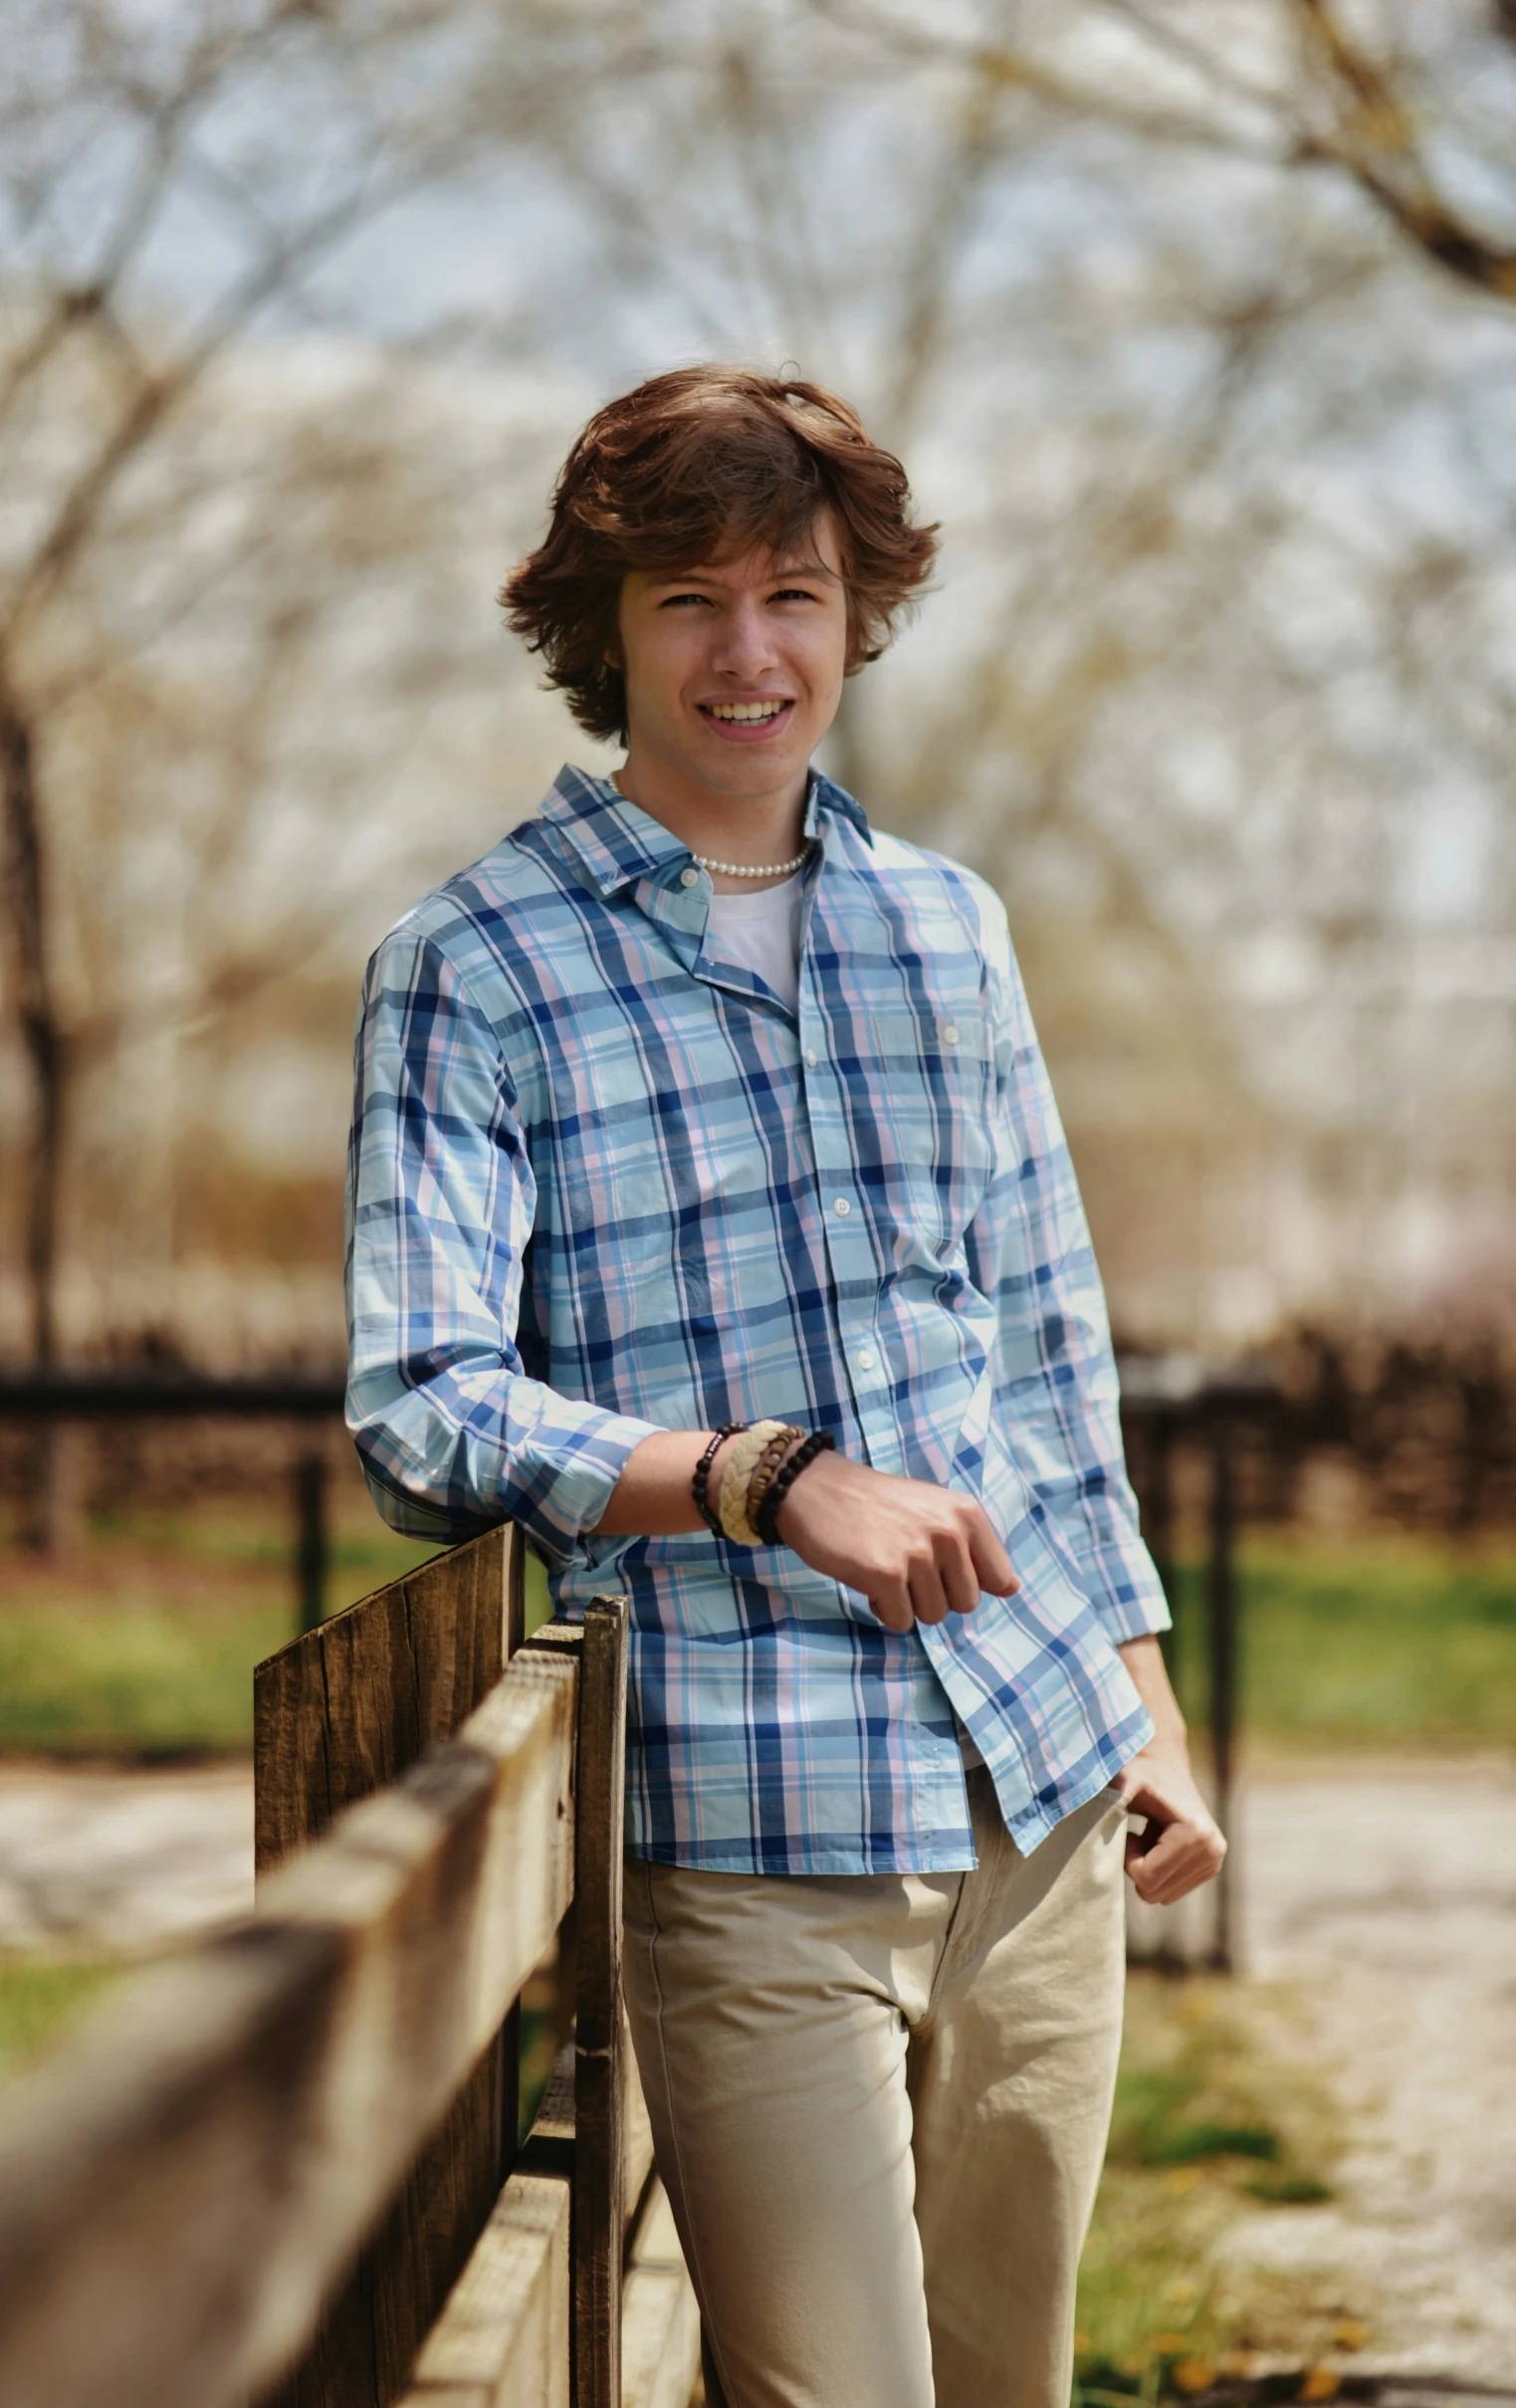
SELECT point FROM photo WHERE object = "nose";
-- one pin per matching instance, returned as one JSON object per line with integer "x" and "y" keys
{"x": 744, "y": 648}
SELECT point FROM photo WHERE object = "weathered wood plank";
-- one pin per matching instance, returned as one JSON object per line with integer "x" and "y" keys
{"x": 346, "y": 1708}
{"x": 371, "y": 2331}
{"x": 598, "y": 2221}
{"x": 181, "y": 2186}
{"x": 503, "y": 2340}
{"x": 659, "y": 2317}
{"x": 636, "y": 2130}
{"x": 338, "y": 1714}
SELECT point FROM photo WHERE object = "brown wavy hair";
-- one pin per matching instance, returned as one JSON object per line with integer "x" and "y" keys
{"x": 701, "y": 464}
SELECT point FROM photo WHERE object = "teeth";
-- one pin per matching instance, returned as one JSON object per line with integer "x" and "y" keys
{"x": 745, "y": 710}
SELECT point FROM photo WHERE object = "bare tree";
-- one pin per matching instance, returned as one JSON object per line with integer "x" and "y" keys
{"x": 1100, "y": 271}
{"x": 1413, "y": 104}
{"x": 169, "y": 187}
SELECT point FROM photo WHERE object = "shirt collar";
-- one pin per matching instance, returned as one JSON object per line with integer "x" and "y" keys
{"x": 618, "y": 843}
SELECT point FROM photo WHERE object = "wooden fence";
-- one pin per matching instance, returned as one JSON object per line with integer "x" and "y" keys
{"x": 283, "y": 2168}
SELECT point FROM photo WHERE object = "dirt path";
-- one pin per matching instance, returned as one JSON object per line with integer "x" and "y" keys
{"x": 107, "y": 1863}
{"x": 1385, "y": 1898}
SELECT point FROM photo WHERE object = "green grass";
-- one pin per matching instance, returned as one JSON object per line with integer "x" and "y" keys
{"x": 1209, "y": 2125}
{"x": 41, "y": 1998}
{"x": 143, "y": 1644}
{"x": 1382, "y": 1642}
{"x": 139, "y": 1683}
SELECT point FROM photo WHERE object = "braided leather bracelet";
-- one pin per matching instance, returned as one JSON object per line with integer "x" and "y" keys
{"x": 764, "y": 1469}
{"x": 700, "y": 1482}
{"x": 748, "y": 1453}
{"x": 765, "y": 1520}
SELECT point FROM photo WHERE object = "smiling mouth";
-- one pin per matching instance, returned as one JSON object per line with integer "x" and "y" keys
{"x": 747, "y": 719}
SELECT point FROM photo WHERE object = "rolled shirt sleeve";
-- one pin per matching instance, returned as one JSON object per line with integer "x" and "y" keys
{"x": 453, "y": 1434}
{"x": 1057, "y": 1399}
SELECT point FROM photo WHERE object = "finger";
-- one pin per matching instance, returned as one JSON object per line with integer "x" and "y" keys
{"x": 955, "y": 1565}
{"x": 1154, "y": 1891}
{"x": 1185, "y": 1858}
{"x": 1178, "y": 1884}
{"x": 1163, "y": 1854}
{"x": 929, "y": 1598}
{"x": 991, "y": 1565}
{"x": 892, "y": 1606}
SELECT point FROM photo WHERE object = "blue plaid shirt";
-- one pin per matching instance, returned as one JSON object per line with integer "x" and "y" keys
{"x": 603, "y": 1182}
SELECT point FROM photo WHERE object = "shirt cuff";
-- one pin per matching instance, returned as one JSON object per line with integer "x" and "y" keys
{"x": 562, "y": 1481}
{"x": 1129, "y": 1598}
{"x": 466, "y": 1450}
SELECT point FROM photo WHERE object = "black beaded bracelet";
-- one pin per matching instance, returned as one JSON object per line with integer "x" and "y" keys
{"x": 765, "y": 1520}
{"x": 701, "y": 1478}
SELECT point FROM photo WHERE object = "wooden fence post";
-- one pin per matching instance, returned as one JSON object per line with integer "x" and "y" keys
{"x": 597, "y": 2220}
{"x": 311, "y": 1544}
{"x": 1221, "y": 1625}
{"x": 339, "y": 1712}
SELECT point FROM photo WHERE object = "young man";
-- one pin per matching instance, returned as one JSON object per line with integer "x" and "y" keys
{"x": 694, "y": 1104}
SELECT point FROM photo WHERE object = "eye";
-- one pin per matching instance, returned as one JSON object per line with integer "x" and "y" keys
{"x": 680, "y": 601}
{"x": 793, "y": 593}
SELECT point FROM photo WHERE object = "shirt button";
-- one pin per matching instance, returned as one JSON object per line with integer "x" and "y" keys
{"x": 841, "y": 1206}
{"x": 689, "y": 877}
{"x": 950, "y": 1033}
{"x": 866, "y": 1359}
{"x": 810, "y": 1057}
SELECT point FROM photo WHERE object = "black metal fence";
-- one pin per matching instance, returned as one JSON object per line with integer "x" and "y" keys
{"x": 40, "y": 1399}
{"x": 1168, "y": 1402}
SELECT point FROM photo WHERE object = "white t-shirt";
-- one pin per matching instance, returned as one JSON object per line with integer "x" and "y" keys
{"x": 762, "y": 933}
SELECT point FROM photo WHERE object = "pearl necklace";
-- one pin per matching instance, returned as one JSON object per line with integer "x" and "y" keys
{"x": 743, "y": 869}
{"x": 737, "y": 869}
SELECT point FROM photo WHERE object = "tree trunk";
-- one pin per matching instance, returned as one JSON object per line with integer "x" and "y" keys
{"x": 45, "y": 1045}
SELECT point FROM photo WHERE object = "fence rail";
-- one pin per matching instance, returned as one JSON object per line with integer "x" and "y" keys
{"x": 279, "y": 2168}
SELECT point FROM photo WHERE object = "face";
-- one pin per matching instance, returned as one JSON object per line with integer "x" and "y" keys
{"x": 734, "y": 671}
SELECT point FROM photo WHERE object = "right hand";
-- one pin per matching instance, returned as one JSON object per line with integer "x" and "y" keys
{"x": 917, "y": 1552}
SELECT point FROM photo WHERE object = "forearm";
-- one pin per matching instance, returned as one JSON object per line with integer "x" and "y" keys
{"x": 653, "y": 1496}
{"x": 917, "y": 1552}
{"x": 1143, "y": 1660}
{"x": 1179, "y": 1846}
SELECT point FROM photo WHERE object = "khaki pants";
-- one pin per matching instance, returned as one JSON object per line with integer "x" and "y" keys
{"x": 880, "y": 2106}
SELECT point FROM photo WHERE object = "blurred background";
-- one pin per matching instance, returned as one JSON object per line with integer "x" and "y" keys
{"x": 1195, "y": 326}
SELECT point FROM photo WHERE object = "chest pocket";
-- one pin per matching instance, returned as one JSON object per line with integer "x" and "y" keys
{"x": 927, "y": 1088}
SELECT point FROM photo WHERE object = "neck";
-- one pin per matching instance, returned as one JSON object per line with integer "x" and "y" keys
{"x": 751, "y": 829}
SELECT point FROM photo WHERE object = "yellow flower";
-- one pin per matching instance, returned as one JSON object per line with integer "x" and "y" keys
{"x": 1319, "y": 2383}
{"x": 1194, "y": 2374}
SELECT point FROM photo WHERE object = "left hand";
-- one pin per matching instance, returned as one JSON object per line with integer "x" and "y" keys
{"x": 1183, "y": 1844}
